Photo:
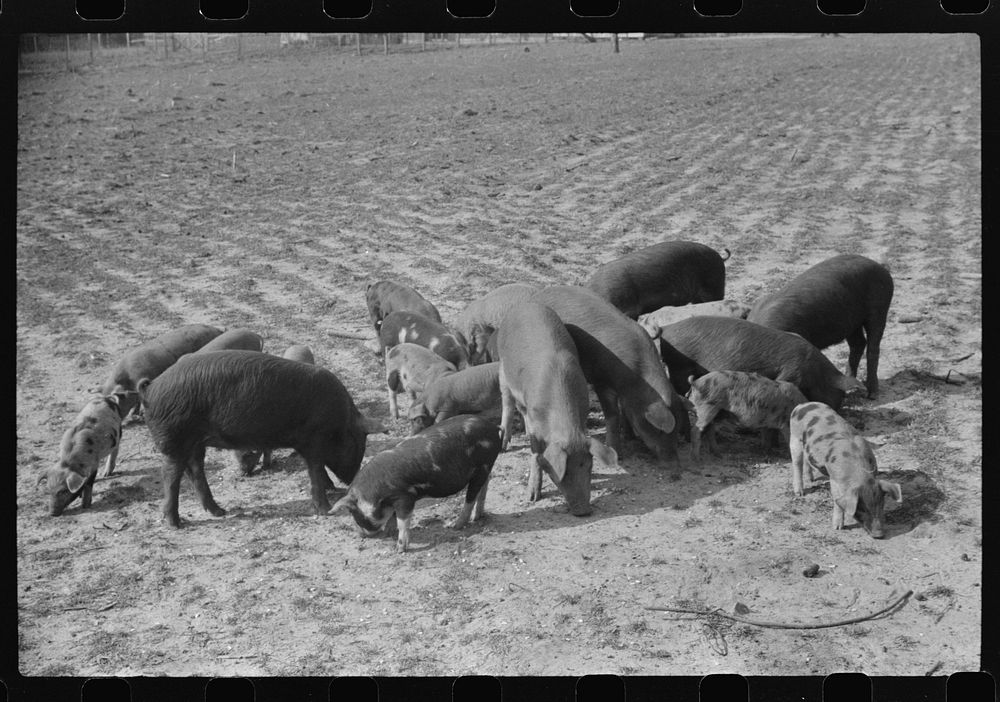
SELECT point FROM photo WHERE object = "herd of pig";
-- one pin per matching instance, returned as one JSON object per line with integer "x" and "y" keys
{"x": 650, "y": 333}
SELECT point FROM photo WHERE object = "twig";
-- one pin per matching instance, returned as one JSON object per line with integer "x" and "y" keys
{"x": 794, "y": 154}
{"x": 777, "y": 625}
{"x": 252, "y": 655}
{"x": 934, "y": 669}
{"x": 349, "y": 335}
{"x": 961, "y": 358}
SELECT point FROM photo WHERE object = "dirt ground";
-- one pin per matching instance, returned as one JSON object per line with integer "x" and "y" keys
{"x": 266, "y": 193}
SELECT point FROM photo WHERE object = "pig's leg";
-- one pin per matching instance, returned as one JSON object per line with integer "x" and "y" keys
{"x": 393, "y": 406}
{"x": 702, "y": 427}
{"x": 874, "y": 328}
{"x": 795, "y": 448}
{"x": 535, "y": 478}
{"x": 612, "y": 418}
{"x": 404, "y": 514}
{"x": 318, "y": 480}
{"x": 88, "y": 492}
{"x": 247, "y": 460}
{"x": 196, "y": 469}
{"x": 109, "y": 465}
{"x": 479, "y": 511}
{"x": 786, "y": 437}
{"x": 856, "y": 343}
{"x": 266, "y": 462}
{"x": 173, "y": 469}
{"x": 477, "y": 485}
{"x": 506, "y": 411}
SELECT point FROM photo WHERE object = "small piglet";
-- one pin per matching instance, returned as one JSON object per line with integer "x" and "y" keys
{"x": 471, "y": 391}
{"x": 235, "y": 340}
{"x": 94, "y": 436}
{"x": 385, "y": 297}
{"x": 653, "y": 321}
{"x": 400, "y": 327}
{"x": 152, "y": 358}
{"x": 457, "y": 453}
{"x": 821, "y": 439}
{"x": 250, "y": 400}
{"x": 754, "y": 401}
{"x": 668, "y": 273}
{"x": 410, "y": 368}
{"x": 844, "y": 297}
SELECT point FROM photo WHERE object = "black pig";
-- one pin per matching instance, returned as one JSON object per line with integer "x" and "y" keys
{"x": 668, "y": 273}
{"x": 844, "y": 297}
{"x": 249, "y": 400}
{"x": 698, "y": 345}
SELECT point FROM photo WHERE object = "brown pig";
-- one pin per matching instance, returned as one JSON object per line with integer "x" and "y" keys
{"x": 152, "y": 358}
{"x": 540, "y": 376}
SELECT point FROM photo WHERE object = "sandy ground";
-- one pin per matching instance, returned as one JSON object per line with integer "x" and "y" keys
{"x": 266, "y": 193}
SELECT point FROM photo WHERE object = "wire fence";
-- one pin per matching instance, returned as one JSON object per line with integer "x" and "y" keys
{"x": 53, "y": 52}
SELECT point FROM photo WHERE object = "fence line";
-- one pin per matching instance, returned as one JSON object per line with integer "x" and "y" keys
{"x": 70, "y": 51}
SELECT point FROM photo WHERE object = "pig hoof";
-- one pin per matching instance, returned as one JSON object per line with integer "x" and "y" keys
{"x": 217, "y": 511}
{"x": 457, "y": 524}
{"x": 173, "y": 522}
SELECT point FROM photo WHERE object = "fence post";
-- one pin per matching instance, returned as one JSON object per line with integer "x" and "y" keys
{"x": 166, "y": 45}
{"x": 67, "y": 52}
{"x": 357, "y": 42}
{"x": 614, "y": 40}
{"x": 385, "y": 44}
{"x": 423, "y": 40}
{"x": 90, "y": 46}
{"x": 458, "y": 40}
{"x": 34, "y": 43}
{"x": 239, "y": 45}
{"x": 204, "y": 44}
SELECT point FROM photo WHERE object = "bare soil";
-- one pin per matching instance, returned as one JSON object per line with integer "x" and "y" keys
{"x": 266, "y": 193}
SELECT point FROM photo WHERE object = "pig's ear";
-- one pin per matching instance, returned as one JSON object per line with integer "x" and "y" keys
{"x": 605, "y": 454}
{"x": 849, "y": 503}
{"x": 372, "y": 426}
{"x": 659, "y": 416}
{"x": 43, "y": 477}
{"x": 558, "y": 465}
{"x": 344, "y": 504}
{"x": 74, "y": 481}
{"x": 893, "y": 489}
{"x": 652, "y": 329}
{"x": 417, "y": 410}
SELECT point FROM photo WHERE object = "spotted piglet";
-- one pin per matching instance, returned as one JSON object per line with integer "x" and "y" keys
{"x": 823, "y": 440}
{"x": 440, "y": 461}
{"x": 93, "y": 437}
{"x": 751, "y": 399}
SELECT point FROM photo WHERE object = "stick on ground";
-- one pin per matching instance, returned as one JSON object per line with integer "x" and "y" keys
{"x": 777, "y": 625}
